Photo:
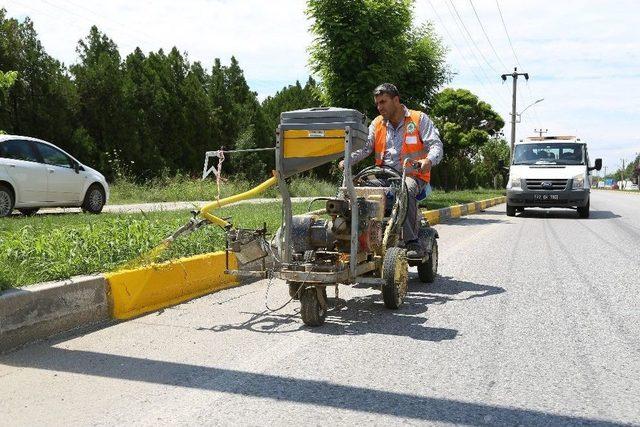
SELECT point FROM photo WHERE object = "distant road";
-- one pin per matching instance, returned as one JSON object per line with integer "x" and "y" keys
{"x": 535, "y": 320}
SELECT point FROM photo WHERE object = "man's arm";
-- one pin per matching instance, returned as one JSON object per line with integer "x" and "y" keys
{"x": 431, "y": 138}
{"x": 359, "y": 155}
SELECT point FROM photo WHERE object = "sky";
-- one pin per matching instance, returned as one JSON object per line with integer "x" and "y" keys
{"x": 582, "y": 57}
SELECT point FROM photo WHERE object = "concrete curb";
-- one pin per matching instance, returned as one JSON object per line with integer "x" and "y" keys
{"x": 138, "y": 291}
{"x": 46, "y": 309}
{"x": 440, "y": 215}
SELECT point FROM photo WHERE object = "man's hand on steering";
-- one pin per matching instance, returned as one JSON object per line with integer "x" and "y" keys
{"x": 424, "y": 164}
{"x": 341, "y": 165}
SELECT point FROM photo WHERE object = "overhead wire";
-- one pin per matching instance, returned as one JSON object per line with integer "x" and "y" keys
{"x": 471, "y": 38}
{"x": 529, "y": 94}
{"x": 500, "y": 97}
{"x": 486, "y": 35}
{"x": 507, "y": 33}
{"x": 457, "y": 48}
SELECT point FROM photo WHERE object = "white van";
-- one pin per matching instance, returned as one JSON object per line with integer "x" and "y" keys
{"x": 550, "y": 172}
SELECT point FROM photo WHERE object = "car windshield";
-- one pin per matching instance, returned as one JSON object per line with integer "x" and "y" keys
{"x": 549, "y": 154}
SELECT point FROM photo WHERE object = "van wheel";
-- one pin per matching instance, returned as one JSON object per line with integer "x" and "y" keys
{"x": 28, "y": 211}
{"x": 6, "y": 200}
{"x": 511, "y": 210}
{"x": 94, "y": 199}
{"x": 584, "y": 211}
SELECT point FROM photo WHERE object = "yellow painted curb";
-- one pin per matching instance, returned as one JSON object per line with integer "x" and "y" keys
{"x": 139, "y": 291}
{"x": 471, "y": 208}
{"x": 432, "y": 216}
{"x": 456, "y": 211}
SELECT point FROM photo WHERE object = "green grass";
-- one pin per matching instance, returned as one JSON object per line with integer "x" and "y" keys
{"x": 54, "y": 247}
{"x": 439, "y": 199}
{"x": 180, "y": 188}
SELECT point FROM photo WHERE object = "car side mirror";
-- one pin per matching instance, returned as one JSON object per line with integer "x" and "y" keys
{"x": 76, "y": 167}
{"x": 597, "y": 166}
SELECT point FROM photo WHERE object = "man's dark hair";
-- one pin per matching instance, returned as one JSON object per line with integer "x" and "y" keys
{"x": 388, "y": 88}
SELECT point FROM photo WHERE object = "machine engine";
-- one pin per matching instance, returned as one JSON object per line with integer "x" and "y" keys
{"x": 310, "y": 233}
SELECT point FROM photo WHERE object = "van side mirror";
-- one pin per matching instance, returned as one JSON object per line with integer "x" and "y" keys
{"x": 598, "y": 165}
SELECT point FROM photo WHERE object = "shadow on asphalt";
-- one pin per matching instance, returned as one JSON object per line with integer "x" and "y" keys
{"x": 279, "y": 388}
{"x": 475, "y": 220}
{"x": 368, "y": 315}
{"x": 564, "y": 213}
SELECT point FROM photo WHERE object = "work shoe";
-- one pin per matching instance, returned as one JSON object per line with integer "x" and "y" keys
{"x": 415, "y": 250}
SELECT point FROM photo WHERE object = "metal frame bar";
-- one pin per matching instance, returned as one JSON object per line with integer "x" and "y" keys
{"x": 285, "y": 252}
{"x": 347, "y": 182}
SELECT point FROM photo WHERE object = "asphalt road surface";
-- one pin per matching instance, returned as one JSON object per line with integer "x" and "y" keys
{"x": 535, "y": 320}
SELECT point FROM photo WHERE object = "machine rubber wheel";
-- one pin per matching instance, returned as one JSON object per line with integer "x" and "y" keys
{"x": 427, "y": 271}
{"x": 584, "y": 211}
{"x": 94, "y": 199}
{"x": 395, "y": 272}
{"x": 293, "y": 290}
{"x": 511, "y": 210}
{"x": 6, "y": 200}
{"x": 28, "y": 211}
{"x": 310, "y": 308}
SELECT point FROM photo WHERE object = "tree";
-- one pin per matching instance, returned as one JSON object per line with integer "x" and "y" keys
{"x": 6, "y": 81}
{"x": 99, "y": 81}
{"x": 465, "y": 124}
{"x": 292, "y": 97}
{"x": 362, "y": 43}
{"x": 41, "y": 101}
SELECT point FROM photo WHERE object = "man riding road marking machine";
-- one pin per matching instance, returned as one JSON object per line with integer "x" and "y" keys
{"x": 356, "y": 238}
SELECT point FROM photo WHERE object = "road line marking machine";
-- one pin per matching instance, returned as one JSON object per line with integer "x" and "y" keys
{"x": 356, "y": 238}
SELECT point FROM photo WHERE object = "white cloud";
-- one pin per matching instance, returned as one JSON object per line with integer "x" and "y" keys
{"x": 582, "y": 56}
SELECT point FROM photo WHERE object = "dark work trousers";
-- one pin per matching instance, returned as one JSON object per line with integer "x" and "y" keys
{"x": 412, "y": 221}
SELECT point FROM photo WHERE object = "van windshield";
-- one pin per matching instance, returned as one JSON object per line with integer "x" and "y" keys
{"x": 549, "y": 154}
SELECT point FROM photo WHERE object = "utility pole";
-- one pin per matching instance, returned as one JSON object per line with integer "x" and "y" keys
{"x": 622, "y": 175}
{"x": 540, "y": 131}
{"x": 514, "y": 75}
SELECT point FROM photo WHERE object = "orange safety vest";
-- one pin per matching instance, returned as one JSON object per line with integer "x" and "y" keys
{"x": 412, "y": 146}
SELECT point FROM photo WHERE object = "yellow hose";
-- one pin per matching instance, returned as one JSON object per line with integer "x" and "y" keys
{"x": 205, "y": 210}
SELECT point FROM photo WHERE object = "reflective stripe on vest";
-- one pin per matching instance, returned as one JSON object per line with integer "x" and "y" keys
{"x": 412, "y": 145}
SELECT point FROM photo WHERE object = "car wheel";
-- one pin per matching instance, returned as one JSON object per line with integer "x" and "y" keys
{"x": 94, "y": 199}
{"x": 28, "y": 211}
{"x": 6, "y": 200}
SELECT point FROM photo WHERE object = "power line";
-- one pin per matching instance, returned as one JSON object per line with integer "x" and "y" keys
{"x": 507, "y": 33}
{"x": 455, "y": 45}
{"x": 499, "y": 96}
{"x": 471, "y": 38}
{"x": 485, "y": 34}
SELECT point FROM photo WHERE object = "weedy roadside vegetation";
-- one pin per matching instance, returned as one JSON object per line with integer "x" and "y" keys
{"x": 57, "y": 246}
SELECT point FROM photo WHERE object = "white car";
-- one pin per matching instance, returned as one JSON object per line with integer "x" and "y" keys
{"x": 36, "y": 174}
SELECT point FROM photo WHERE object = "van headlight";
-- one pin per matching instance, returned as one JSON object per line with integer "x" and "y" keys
{"x": 578, "y": 182}
{"x": 514, "y": 182}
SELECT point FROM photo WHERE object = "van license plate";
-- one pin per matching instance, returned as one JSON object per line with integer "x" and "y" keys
{"x": 545, "y": 197}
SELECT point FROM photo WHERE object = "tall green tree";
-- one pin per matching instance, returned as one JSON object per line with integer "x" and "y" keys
{"x": 465, "y": 124}
{"x": 292, "y": 97}
{"x": 41, "y": 101}
{"x": 361, "y": 43}
{"x": 99, "y": 81}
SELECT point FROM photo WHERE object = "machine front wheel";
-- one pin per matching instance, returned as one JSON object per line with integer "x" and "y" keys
{"x": 428, "y": 270}
{"x": 395, "y": 272}
{"x": 311, "y": 309}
